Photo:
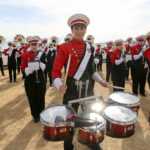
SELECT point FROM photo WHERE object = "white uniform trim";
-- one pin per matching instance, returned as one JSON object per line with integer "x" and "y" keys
{"x": 9, "y": 52}
{"x": 96, "y": 77}
{"x": 83, "y": 64}
{"x": 39, "y": 54}
{"x": 57, "y": 83}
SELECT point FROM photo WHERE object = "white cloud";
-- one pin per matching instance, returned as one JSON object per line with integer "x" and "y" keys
{"x": 110, "y": 20}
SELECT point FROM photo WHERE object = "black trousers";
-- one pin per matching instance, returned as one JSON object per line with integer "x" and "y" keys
{"x": 49, "y": 71}
{"x": 149, "y": 79}
{"x": 108, "y": 71}
{"x": 128, "y": 67}
{"x": 118, "y": 76}
{"x": 1, "y": 66}
{"x": 12, "y": 68}
{"x": 35, "y": 94}
{"x": 72, "y": 94}
{"x": 138, "y": 79}
{"x": 18, "y": 64}
{"x": 99, "y": 65}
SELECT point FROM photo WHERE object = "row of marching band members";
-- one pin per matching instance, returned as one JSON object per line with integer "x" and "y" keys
{"x": 121, "y": 57}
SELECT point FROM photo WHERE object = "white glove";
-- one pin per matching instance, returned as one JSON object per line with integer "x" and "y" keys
{"x": 145, "y": 48}
{"x": 42, "y": 66}
{"x": 28, "y": 71}
{"x": 111, "y": 50}
{"x": 119, "y": 61}
{"x": 138, "y": 56}
{"x": 96, "y": 61}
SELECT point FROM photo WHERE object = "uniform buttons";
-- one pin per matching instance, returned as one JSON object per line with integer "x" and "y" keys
{"x": 74, "y": 51}
{"x": 76, "y": 55}
{"x": 72, "y": 48}
{"x": 77, "y": 60}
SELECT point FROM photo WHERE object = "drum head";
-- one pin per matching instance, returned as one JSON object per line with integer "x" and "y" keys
{"x": 119, "y": 114}
{"x": 93, "y": 116}
{"x": 94, "y": 106}
{"x": 124, "y": 98}
{"x": 56, "y": 114}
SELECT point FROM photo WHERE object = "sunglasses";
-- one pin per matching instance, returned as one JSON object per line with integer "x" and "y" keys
{"x": 119, "y": 45}
{"x": 34, "y": 44}
{"x": 141, "y": 40}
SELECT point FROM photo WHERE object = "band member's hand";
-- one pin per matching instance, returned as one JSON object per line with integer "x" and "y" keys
{"x": 63, "y": 89}
{"x": 104, "y": 84}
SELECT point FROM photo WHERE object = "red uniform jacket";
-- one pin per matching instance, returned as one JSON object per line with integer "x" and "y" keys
{"x": 136, "y": 49}
{"x": 128, "y": 48}
{"x": 98, "y": 51}
{"x": 107, "y": 51}
{"x": 76, "y": 49}
{"x": 29, "y": 56}
{"x": 116, "y": 54}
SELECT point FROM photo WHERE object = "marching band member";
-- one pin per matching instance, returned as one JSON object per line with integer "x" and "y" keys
{"x": 99, "y": 53}
{"x": 90, "y": 39}
{"x": 33, "y": 65}
{"x": 1, "y": 63}
{"x": 51, "y": 53}
{"x": 108, "y": 51}
{"x": 11, "y": 52}
{"x": 128, "y": 52}
{"x": 118, "y": 65}
{"x": 147, "y": 55}
{"x": 81, "y": 66}
{"x": 138, "y": 68}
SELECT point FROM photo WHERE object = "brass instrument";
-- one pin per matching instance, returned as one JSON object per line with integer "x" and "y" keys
{"x": 2, "y": 40}
{"x": 54, "y": 40}
{"x": 90, "y": 38}
{"x": 19, "y": 38}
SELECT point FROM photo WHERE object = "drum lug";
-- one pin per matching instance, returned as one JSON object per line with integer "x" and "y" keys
{"x": 125, "y": 129}
{"x": 55, "y": 131}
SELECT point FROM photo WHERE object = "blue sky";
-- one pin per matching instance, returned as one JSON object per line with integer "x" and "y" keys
{"x": 110, "y": 19}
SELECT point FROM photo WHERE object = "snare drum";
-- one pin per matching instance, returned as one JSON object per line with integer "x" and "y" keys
{"x": 120, "y": 121}
{"x": 53, "y": 118}
{"x": 93, "y": 106}
{"x": 125, "y": 99}
{"x": 94, "y": 134}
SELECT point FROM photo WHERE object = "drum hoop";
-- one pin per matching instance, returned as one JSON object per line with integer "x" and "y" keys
{"x": 60, "y": 124}
{"x": 90, "y": 130}
{"x": 129, "y": 105}
{"x": 119, "y": 122}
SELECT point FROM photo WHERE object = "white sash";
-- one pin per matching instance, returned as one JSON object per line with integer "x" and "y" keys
{"x": 9, "y": 52}
{"x": 84, "y": 63}
{"x": 39, "y": 55}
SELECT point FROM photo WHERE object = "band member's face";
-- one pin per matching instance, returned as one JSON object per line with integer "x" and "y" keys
{"x": 119, "y": 46}
{"x": 79, "y": 32}
{"x": 141, "y": 41}
{"x": 148, "y": 41}
{"x": 34, "y": 46}
{"x": 130, "y": 41}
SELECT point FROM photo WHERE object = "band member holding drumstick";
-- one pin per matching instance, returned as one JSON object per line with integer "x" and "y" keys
{"x": 33, "y": 64}
{"x": 118, "y": 66}
{"x": 81, "y": 66}
{"x": 139, "y": 67}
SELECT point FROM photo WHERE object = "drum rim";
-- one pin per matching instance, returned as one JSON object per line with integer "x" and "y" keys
{"x": 90, "y": 131}
{"x": 90, "y": 101}
{"x": 129, "y": 105}
{"x": 60, "y": 124}
{"x": 120, "y": 122}
{"x": 101, "y": 126}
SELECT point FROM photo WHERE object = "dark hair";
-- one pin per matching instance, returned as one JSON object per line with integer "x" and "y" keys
{"x": 78, "y": 24}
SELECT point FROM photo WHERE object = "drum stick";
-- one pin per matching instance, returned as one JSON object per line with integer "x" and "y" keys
{"x": 117, "y": 87}
{"x": 67, "y": 69}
